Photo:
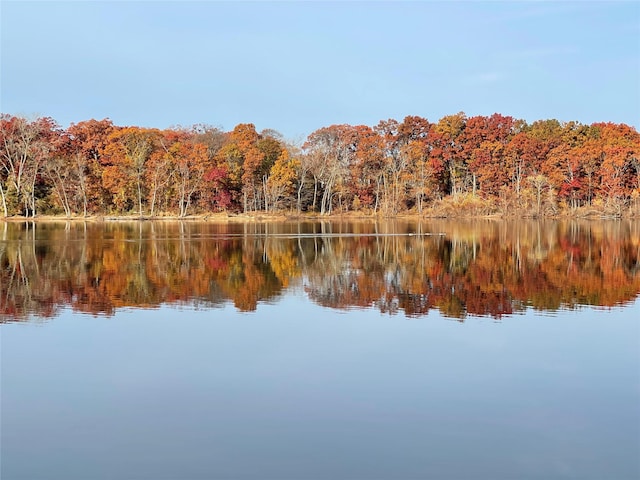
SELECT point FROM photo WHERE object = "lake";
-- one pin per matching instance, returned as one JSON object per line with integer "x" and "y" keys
{"x": 320, "y": 350}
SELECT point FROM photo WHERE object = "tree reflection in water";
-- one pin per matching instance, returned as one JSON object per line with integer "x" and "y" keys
{"x": 487, "y": 267}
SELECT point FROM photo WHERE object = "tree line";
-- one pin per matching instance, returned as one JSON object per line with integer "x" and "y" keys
{"x": 458, "y": 165}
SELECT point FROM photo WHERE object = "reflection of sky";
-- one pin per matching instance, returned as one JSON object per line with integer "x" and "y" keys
{"x": 295, "y": 390}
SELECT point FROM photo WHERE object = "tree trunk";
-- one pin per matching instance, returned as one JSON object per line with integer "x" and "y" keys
{"x": 299, "y": 199}
{"x": 266, "y": 193}
{"x": 4, "y": 201}
{"x": 139, "y": 198}
{"x": 315, "y": 192}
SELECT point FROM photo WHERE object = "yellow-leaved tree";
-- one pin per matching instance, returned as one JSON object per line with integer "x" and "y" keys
{"x": 281, "y": 183}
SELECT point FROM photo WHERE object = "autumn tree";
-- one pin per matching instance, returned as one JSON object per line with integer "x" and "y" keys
{"x": 563, "y": 164}
{"x": 414, "y": 133}
{"x": 366, "y": 168}
{"x": 620, "y": 150}
{"x": 160, "y": 171}
{"x": 88, "y": 141}
{"x": 217, "y": 194}
{"x": 523, "y": 157}
{"x": 242, "y": 161}
{"x": 484, "y": 142}
{"x": 59, "y": 171}
{"x": 281, "y": 183}
{"x": 245, "y": 138}
{"x": 328, "y": 150}
{"x": 24, "y": 146}
{"x": 271, "y": 147}
{"x": 129, "y": 151}
{"x": 395, "y": 165}
{"x": 448, "y": 146}
{"x": 191, "y": 165}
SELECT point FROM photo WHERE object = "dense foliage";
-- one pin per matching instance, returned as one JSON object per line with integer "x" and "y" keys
{"x": 468, "y": 165}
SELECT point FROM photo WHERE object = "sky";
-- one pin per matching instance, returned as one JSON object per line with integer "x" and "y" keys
{"x": 299, "y": 66}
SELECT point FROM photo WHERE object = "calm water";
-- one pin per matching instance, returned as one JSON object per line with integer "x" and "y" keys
{"x": 445, "y": 350}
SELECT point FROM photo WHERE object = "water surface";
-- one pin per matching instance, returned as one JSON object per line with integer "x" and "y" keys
{"x": 320, "y": 350}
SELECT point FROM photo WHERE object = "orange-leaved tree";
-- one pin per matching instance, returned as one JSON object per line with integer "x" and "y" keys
{"x": 128, "y": 152}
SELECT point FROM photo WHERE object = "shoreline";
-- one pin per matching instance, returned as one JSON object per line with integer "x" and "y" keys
{"x": 264, "y": 217}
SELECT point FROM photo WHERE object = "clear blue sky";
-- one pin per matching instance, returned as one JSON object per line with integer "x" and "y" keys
{"x": 299, "y": 66}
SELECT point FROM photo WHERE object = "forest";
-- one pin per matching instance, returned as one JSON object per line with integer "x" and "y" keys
{"x": 457, "y": 166}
